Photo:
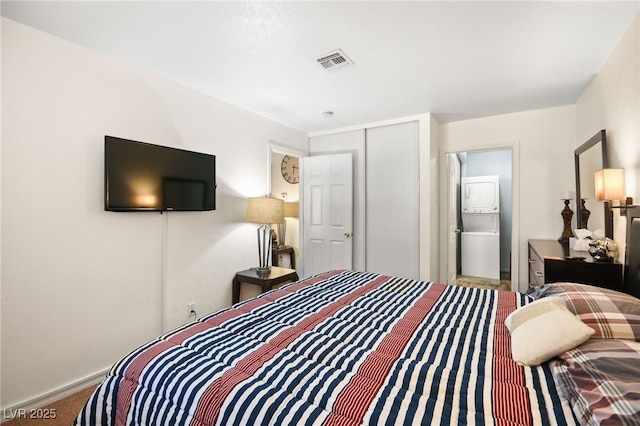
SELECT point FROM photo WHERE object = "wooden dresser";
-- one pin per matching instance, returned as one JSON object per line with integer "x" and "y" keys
{"x": 550, "y": 261}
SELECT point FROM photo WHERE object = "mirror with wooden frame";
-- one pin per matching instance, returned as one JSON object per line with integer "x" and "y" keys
{"x": 590, "y": 157}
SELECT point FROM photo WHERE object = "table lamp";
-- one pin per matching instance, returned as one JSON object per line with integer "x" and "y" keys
{"x": 291, "y": 209}
{"x": 266, "y": 211}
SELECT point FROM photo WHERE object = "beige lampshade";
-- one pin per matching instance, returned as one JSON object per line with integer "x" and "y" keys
{"x": 265, "y": 210}
{"x": 291, "y": 209}
{"x": 610, "y": 184}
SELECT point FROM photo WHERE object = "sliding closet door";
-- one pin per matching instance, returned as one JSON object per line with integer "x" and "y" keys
{"x": 392, "y": 200}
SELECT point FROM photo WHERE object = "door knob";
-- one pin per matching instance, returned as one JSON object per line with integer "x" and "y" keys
{"x": 347, "y": 234}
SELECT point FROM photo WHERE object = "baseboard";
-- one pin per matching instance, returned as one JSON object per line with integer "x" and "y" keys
{"x": 54, "y": 395}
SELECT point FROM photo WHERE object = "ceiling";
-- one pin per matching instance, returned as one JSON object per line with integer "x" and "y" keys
{"x": 456, "y": 60}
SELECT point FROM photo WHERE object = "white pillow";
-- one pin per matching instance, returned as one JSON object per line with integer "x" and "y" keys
{"x": 544, "y": 329}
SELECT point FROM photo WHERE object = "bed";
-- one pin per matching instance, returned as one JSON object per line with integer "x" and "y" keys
{"x": 351, "y": 348}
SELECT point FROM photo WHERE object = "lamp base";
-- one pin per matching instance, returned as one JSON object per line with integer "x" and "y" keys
{"x": 263, "y": 272}
{"x": 264, "y": 251}
{"x": 567, "y": 214}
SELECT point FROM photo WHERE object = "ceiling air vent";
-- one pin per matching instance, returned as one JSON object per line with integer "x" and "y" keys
{"x": 334, "y": 60}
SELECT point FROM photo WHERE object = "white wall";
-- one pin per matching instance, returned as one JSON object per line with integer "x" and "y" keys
{"x": 430, "y": 190}
{"x": 612, "y": 102}
{"x": 544, "y": 140}
{"x": 80, "y": 286}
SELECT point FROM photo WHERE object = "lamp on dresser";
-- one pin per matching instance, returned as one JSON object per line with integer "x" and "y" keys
{"x": 266, "y": 211}
{"x": 567, "y": 214}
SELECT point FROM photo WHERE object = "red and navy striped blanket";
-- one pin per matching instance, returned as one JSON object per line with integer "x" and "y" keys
{"x": 341, "y": 348}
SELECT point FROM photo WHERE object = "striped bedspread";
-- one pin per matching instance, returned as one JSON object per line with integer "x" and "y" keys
{"x": 341, "y": 348}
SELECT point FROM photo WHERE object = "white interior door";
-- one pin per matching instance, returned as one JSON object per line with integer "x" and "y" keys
{"x": 453, "y": 169}
{"x": 327, "y": 218}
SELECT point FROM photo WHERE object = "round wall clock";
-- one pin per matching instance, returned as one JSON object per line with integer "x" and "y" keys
{"x": 290, "y": 169}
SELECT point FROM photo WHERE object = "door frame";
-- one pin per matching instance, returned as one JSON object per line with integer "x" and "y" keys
{"x": 275, "y": 147}
{"x": 456, "y": 232}
{"x": 514, "y": 146}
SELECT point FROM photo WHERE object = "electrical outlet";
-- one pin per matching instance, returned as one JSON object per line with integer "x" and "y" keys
{"x": 191, "y": 307}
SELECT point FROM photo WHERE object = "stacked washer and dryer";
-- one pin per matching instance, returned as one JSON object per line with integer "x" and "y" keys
{"x": 480, "y": 208}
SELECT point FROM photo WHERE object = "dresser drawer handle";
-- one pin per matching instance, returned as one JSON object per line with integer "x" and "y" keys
{"x": 539, "y": 274}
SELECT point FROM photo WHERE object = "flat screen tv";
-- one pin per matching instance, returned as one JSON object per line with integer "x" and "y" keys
{"x": 141, "y": 176}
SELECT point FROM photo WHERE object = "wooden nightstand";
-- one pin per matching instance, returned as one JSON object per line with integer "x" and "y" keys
{"x": 277, "y": 251}
{"x": 550, "y": 261}
{"x": 276, "y": 276}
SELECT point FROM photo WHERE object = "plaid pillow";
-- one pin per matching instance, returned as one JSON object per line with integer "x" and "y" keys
{"x": 600, "y": 380}
{"x": 613, "y": 315}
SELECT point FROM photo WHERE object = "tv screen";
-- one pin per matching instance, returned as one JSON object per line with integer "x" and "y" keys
{"x": 141, "y": 176}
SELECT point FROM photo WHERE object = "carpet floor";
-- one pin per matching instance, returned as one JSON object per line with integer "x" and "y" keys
{"x": 488, "y": 283}
{"x": 65, "y": 411}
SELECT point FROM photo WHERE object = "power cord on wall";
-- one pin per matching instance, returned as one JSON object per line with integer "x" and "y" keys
{"x": 193, "y": 314}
